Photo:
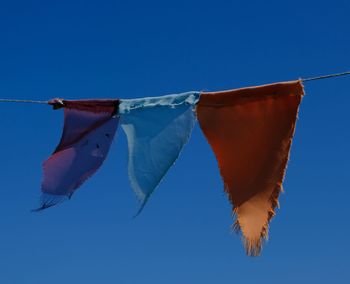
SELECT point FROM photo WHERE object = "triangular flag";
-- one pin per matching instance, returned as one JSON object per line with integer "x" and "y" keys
{"x": 89, "y": 128}
{"x": 250, "y": 131}
{"x": 156, "y": 128}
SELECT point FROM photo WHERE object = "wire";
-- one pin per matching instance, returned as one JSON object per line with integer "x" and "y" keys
{"x": 23, "y": 101}
{"x": 326, "y": 76}
{"x": 303, "y": 80}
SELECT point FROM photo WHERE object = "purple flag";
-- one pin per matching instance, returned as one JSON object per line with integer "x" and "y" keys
{"x": 89, "y": 128}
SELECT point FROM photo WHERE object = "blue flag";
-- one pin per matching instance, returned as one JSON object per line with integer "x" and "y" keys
{"x": 156, "y": 128}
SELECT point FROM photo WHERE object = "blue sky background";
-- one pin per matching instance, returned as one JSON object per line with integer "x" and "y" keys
{"x": 127, "y": 49}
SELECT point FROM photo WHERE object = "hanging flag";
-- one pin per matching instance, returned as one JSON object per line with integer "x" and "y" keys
{"x": 89, "y": 128}
{"x": 156, "y": 128}
{"x": 250, "y": 131}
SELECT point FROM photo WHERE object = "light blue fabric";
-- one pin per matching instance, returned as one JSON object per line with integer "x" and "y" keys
{"x": 156, "y": 128}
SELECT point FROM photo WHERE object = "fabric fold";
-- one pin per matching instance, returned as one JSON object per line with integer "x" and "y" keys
{"x": 88, "y": 131}
{"x": 250, "y": 131}
{"x": 156, "y": 128}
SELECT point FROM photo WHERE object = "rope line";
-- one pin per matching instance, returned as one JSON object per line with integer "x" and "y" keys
{"x": 303, "y": 80}
{"x": 23, "y": 101}
{"x": 326, "y": 76}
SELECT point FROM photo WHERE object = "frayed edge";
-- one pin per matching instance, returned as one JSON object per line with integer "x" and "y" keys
{"x": 253, "y": 247}
{"x": 50, "y": 200}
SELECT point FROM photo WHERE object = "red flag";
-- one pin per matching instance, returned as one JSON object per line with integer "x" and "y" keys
{"x": 250, "y": 131}
{"x": 89, "y": 128}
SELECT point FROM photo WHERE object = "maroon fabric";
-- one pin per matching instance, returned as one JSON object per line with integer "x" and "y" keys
{"x": 89, "y": 128}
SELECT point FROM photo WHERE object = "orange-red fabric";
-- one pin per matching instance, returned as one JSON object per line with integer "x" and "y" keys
{"x": 250, "y": 131}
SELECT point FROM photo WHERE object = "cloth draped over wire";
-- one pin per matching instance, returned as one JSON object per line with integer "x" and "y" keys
{"x": 156, "y": 128}
{"x": 250, "y": 131}
{"x": 88, "y": 131}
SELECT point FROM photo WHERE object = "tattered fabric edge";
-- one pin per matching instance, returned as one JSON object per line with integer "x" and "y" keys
{"x": 127, "y": 105}
{"x": 48, "y": 200}
{"x": 254, "y": 248}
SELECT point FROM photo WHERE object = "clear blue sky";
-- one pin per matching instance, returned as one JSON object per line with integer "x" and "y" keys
{"x": 127, "y": 49}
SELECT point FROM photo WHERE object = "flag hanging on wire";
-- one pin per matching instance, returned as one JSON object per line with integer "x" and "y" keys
{"x": 89, "y": 128}
{"x": 250, "y": 131}
{"x": 156, "y": 129}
